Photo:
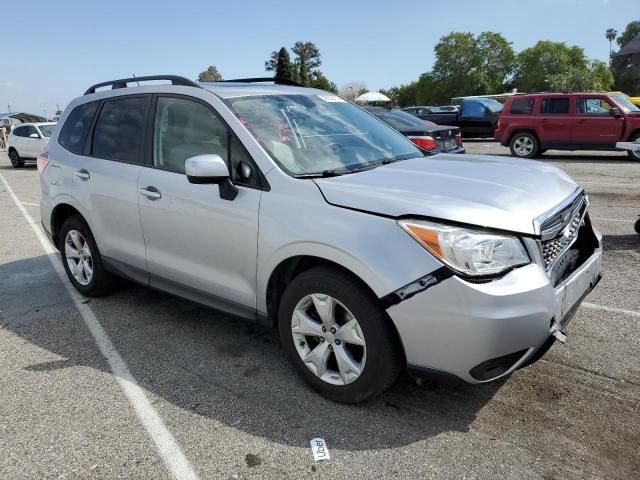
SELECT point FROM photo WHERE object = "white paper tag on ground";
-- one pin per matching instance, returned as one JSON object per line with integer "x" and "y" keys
{"x": 319, "y": 449}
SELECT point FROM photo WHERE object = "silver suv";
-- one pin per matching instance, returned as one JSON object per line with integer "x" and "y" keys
{"x": 287, "y": 204}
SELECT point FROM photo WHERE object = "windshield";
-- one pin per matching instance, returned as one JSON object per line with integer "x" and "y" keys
{"x": 491, "y": 104}
{"x": 398, "y": 119}
{"x": 47, "y": 130}
{"x": 625, "y": 104}
{"x": 311, "y": 134}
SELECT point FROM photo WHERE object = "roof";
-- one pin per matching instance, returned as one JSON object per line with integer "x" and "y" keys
{"x": 23, "y": 117}
{"x": 631, "y": 48}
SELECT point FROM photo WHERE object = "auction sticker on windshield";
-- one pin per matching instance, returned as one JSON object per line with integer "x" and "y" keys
{"x": 331, "y": 98}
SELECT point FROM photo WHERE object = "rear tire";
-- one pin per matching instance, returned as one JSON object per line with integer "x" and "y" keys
{"x": 634, "y": 155}
{"x": 637, "y": 226}
{"x": 16, "y": 161}
{"x": 524, "y": 145}
{"x": 358, "y": 355}
{"x": 81, "y": 259}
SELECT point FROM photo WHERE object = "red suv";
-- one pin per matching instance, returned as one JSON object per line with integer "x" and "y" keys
{"x": 532, "y": 123}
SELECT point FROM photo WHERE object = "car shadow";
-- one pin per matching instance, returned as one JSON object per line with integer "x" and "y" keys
{"x": 222, "y": 367}
{"x": 27, "y": 166}
{"x": 630, "y": 241}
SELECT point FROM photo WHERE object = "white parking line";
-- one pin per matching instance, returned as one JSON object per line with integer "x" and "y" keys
{"x": 165, "y": 442}
{"x": 595, "y": 306}
{"x": 32, "y": 204}
{"x": 612, "y": 220}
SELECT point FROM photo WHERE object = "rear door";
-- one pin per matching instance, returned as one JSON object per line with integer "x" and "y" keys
{"x": 555, "y": 121}
{"x": 17, "y": 137}
{"x": 475, "y": 119}
{"x": 594, "y": 126}
{"x": 105, "y": 180}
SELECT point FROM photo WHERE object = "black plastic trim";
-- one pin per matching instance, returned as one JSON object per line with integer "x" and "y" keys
{"x": 275, "y": 80}
{"x": 125, "y": 270}
{"x": 415, "y": 287}
{"x": 495, "y": 367}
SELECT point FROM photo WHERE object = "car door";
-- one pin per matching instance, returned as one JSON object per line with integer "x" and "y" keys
{"x": 473, "y": 118}
{"x": 198, "y": 244}
{"x": 557, "y": 114}
{"x": 105, "y": 177}
{"x": 31, "y": 144}
{"x": 17, "y": 137}
{"x": 595, "y": 127}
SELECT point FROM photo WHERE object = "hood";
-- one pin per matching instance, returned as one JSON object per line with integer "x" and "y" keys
{"x": 501, "y": 193}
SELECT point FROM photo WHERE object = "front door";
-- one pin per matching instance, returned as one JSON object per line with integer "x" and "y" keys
{"x": 198, "y": 244}
{"x": 594, "y": 126}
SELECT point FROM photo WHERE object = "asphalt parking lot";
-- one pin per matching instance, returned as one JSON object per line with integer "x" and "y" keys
{"x": 233, "y": 407}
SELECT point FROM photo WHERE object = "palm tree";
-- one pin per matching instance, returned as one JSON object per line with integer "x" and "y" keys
{"x": 610, "y": 35}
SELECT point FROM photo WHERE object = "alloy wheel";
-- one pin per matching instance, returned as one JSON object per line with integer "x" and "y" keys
{"x": 78, "y": 256}
{"x": 328, "y": 339}
{"x": 523, "y": 146}
{"x": 13, "y": 156}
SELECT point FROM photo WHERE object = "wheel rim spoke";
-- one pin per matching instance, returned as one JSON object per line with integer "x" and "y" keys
{"x": 348, "y": 367}
{"x": 351, "y": 333}
{"x": 78, "y": 256}
{"x": 325, "y": 306}
{"x": 317, "y": 359}
{"x": 303, "y": 324}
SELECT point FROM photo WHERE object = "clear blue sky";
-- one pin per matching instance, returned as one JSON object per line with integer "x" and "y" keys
{"x": 52, "y": 51}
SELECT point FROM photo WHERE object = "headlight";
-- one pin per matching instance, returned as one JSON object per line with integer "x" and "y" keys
{"x": 469, "y": 251}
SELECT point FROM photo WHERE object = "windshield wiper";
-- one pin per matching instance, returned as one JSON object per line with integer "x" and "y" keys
{"x": 345, "y": 171}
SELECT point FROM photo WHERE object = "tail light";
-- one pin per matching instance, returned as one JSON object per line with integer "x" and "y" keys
{"x": 499, "y": 126}
{"x": 459, "y": 138}
{"x": 42, "y": 161}
{"x": 424, "y": 142}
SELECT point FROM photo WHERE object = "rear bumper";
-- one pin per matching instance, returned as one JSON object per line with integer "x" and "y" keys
{"x": 482, "y": 331}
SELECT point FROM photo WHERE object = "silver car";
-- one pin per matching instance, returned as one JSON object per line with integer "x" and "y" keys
{"x": 292, "y": 206}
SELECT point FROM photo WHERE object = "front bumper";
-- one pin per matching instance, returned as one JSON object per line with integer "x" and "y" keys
{"x": 483, "y": 331}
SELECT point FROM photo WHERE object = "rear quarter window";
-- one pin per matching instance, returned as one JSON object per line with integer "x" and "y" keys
{"x": 76, "y": 127}
{"x": 555, "y": 106}
{"x": 522, "y": 106}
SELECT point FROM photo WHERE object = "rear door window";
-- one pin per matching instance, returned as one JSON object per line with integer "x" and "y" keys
{"x": 19, "y": 131}
{"x": 76, "y": 128}
{"x": 522, "y": 106}
{"x": 555, "y": 106}
{"x": 119, "y": 129}
{"x": 473, "y": 109}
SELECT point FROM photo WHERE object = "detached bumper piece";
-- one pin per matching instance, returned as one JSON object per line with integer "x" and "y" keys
{"x": 496, "y": 366}
{"x": 418, "y": 286}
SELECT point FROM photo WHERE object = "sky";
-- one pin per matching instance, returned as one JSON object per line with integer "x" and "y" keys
{"x": 54, "y": 50}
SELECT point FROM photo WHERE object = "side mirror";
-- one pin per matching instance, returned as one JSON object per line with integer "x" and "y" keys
{"x": 211, "y": 168}
{"x": 615, "y": 112}
{"x": 34, "y": 135}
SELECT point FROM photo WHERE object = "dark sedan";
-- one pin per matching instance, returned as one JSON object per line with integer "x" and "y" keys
{"x": 428, "y": 136}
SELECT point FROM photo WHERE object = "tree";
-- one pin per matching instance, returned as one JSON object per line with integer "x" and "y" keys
{"x": 610, "y": 35}
{"x": 318, "y": 80}
{"x": 470, "y": 65}
{"x": 538, "y": 64}
{"x": 211, "y": 74}
{"x": 352, "y": 90}
{"x": 303, "y": 69}
{"x": 626, "y": 72}
{"x": 283, "y": 65}
{"x": 595, "y": 77}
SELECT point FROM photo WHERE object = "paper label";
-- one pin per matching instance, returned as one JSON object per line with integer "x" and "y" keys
{"x": 319, "y": 449}
{"x": 331, "y": 98}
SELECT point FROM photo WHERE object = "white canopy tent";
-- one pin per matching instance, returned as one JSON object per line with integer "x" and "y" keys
{"x": 373, "y": 97}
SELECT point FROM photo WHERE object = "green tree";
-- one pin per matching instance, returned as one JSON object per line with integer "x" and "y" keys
{"x": 610, "y": 35}
{"x": 470, "y": 65}
{"x": 211, "y": 74}
{"x": 307, "y": 60}
{"x": 318, "y": 80}
{"x": 538, "y": 64}
{"x": 595, "y": 77}
{"x": 625, "y": 71}
{"x": 283, "y": 66}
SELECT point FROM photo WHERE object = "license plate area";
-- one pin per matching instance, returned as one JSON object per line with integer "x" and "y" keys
{"x": 576, "y": 288}
{"x": 450, "y": 144}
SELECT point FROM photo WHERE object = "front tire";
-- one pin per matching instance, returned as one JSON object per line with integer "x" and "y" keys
{"x": 634, "y": 155}
{"x": 81, "y": 259}
{"x": 338, "y": 337}
{"x": 524, "y": 145}
{"x": 16, "y": 161}
{"x": 637, "y": 226}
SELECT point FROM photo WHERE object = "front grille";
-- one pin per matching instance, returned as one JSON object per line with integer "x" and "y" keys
{"x": 560, "y": 230}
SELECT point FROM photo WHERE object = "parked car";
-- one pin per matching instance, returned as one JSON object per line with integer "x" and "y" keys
{"x": 443, "y": 108}
{"x": 27, "y": 140}
{"x": 426, "y": 135}
{"x": 477, "y": 117}
{"x": 533, "y": 123}
{"x": 290, "y": 205}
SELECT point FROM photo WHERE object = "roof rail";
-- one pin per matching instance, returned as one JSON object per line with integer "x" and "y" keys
{"x": 276, "y": 80}
{"x": 122, "y": 83}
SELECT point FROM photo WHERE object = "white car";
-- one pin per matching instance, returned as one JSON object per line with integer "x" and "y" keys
{"x": 27, "y": 140}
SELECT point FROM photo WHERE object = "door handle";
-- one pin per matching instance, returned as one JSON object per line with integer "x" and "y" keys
{"x": 83, "y": 174}
{"x": 152, "y": 193}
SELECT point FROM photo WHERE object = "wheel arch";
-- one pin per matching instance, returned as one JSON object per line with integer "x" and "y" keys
{"x": 59, "y": 215}
{"x": 524, "y": 130}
